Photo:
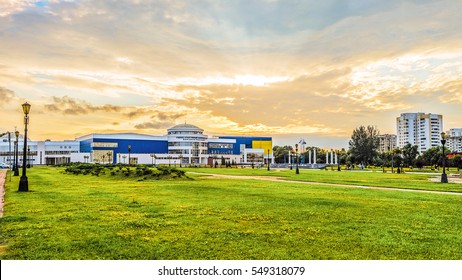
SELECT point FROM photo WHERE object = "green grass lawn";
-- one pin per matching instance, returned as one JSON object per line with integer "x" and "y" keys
{"x": 88, "y": 217}
{"x": 362, "y": 178}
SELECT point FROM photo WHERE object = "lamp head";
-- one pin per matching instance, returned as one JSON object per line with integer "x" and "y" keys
{"x": 16, "y": 133}
{"x": 443, "y": 135}
{"x": 26, "y": 108}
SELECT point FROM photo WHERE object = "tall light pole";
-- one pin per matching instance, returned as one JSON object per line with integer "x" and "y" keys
{"x": 392, "y": 159}
{"x": 444, "y": 176}
{"x": 268, "y": 160}
{"x": 338, "y": 160}
{"x": 23, "y": 182}
{"x": 129, "y": 150}
{"x": 16, "y": 154}
{"x": 9, "y": 152}
{"x": 296, "y": 159}
{"x": 28, "y": 156}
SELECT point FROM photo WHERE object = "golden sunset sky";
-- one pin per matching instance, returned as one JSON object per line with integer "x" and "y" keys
{"x": 288, "y": 69}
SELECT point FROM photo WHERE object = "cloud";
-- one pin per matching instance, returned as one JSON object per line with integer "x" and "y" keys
{"x": 71, "y": 106}
{"x": 309, "y": 101}
{"x": 154, "y": 125}
{"x": 452, "y": 92}
{"x": 236, "y": 66}
{"x": 154, "y": 114}
{"x": 6, "y": 95}
{"x": 14, "y": 6}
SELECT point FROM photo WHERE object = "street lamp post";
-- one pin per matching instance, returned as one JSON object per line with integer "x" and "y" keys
{"x": 23, "y": 182}
{"x": 296, "y": 159}
{"x": 129, "y": 150}
{"x": 444, "y": 176}
{"x": 268, "y": 160}
{"x": 338, "y": 160}
{"x": 16, "y": 154}
{"x": 392, "y": 160}
{"x": 28, "y": 156}
{"x": 9, "y": 150}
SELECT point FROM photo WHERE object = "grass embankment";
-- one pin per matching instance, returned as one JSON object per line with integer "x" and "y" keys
{"x": 89, "y": 217}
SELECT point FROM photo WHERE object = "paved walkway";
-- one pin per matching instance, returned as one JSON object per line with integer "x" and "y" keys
{"x": 2, "y": 189}
{"x": 279, "y": 179}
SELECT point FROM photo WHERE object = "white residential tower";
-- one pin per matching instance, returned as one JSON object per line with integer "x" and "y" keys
{"x": 421, "y": 129}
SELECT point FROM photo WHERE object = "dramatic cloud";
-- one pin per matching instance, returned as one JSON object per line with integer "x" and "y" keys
{"x": 70, "y": 106}
{"x": 6, "y": 95}
{"x": 154, "y": 125}
{"x": 278, "y": 68}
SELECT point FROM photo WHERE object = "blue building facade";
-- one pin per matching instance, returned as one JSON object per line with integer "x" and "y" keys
{"x": 184, "y": 144}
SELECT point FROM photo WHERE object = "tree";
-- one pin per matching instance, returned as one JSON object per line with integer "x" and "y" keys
{"x": 397, "y": 159}
{"x": 281, "y": 153}
{"x": 364, "y": 144}
{"x": 433, "y": 156}
{"x": 419, "y": 162}
{"x": 457, "y": 162}
{"x": 410, "y": 153}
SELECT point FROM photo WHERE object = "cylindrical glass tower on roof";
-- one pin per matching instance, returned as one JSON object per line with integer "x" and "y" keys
{"x": 189, "y": 141}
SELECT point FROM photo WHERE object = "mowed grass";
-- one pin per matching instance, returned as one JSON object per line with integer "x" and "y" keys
{"x": 87, "y": 217}
{"x": 376, "y": 178}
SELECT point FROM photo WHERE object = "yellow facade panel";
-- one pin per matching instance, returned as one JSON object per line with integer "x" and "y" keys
{"x": 265, "y": 145}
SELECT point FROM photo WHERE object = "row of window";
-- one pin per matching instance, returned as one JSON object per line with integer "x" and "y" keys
{"x": 60, "y": 152}
{"x": 220, "y": 146}
{"x": 184, "y": 132}
{"x": 187, "y": 144}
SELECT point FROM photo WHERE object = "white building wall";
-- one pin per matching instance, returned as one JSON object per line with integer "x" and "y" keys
{"x": 419, "y": 129}
{"x": 454, "y": 140}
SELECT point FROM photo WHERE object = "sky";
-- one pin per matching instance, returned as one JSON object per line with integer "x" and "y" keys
{"x": 289, "y": 69}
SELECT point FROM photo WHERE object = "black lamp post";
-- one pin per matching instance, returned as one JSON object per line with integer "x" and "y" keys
{"x": 129, "y": 150}
{"x": 16, "y": 154}
{"x": 296, "y": 159}
{"x": 28, "y": 156}
{"x": 268, "y": 160}
{"x": 444, "y": 176}
{"x": 392, "y": 160}
{"x": 23, "y": 182}
{"x": 338, "y": 160}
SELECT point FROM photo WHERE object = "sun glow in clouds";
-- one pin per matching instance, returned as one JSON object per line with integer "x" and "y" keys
{"x": 259, "y": 67}
{"x": 245, "y": 80}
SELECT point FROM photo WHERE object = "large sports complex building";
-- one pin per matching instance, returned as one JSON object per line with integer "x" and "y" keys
{"x": 184, "y": 143}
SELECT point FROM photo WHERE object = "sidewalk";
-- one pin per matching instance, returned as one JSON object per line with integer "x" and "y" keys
{"x": 2, "y": 189}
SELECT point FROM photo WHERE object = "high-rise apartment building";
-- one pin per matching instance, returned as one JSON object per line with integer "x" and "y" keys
{"x": 421, "y": 129}
{"x": 454, "y": 140}
{"x": 387, "y": 142}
